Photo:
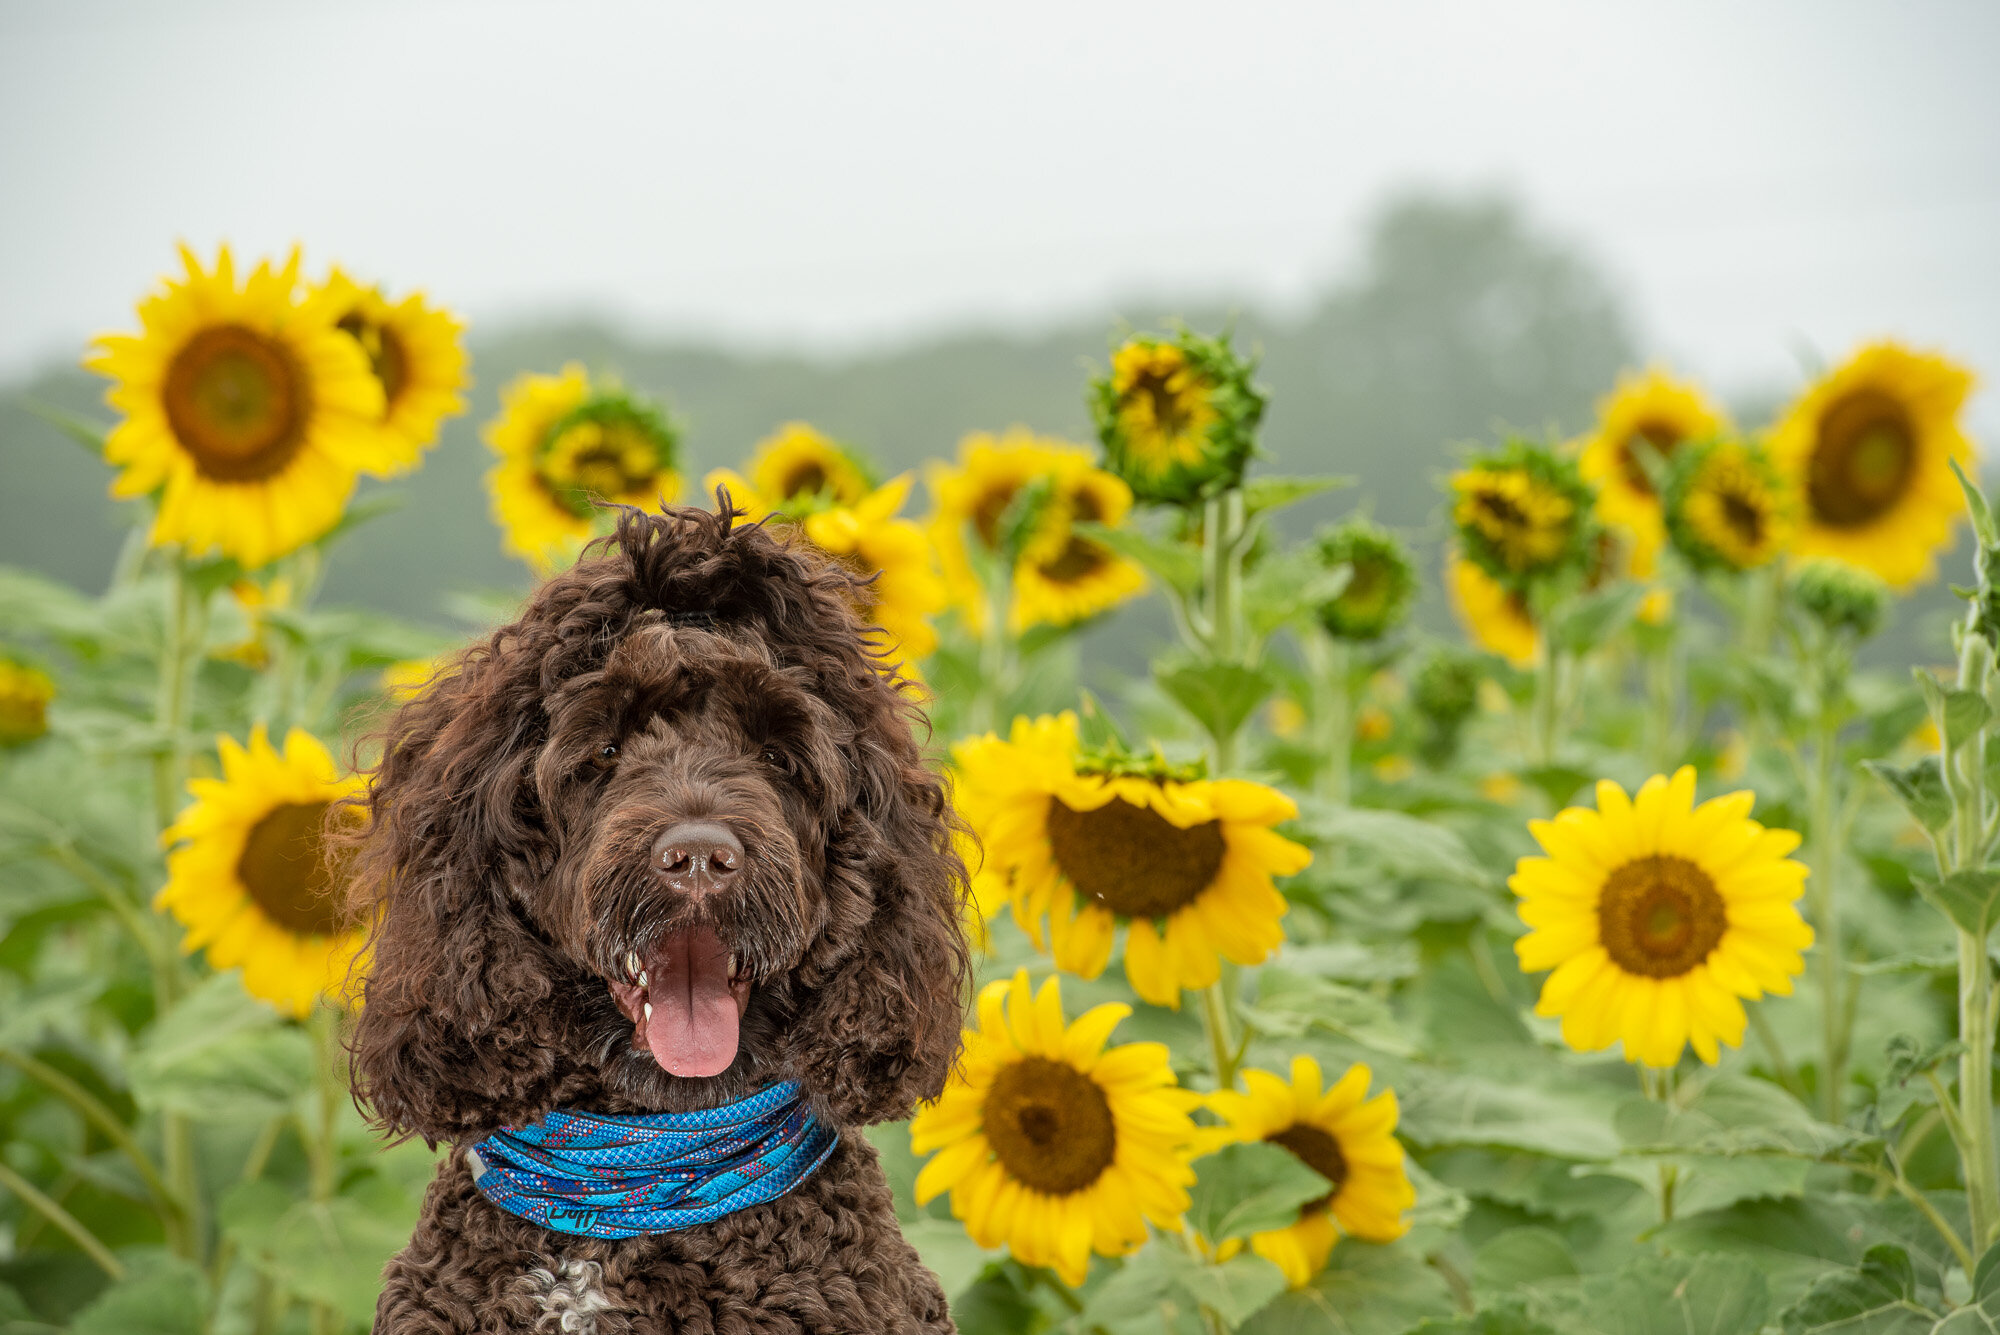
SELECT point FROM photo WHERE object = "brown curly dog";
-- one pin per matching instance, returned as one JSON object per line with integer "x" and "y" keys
{"x": 664, "y": 841}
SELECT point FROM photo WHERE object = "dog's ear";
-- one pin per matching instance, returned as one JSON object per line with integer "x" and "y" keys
{"x": 880, "y": 1022}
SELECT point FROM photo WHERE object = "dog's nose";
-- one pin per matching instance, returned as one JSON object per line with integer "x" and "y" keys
{"x": 697, "y": 856}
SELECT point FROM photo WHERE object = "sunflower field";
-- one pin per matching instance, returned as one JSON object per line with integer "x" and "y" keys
{"x": 1621, "y": 963}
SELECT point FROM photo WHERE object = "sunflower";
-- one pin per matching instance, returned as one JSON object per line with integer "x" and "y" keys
{"x": 1051, "y": 1144}
{"x": 1725, "y": 507}
{"x": 1087, "y": 843}
{"x": 869, "y": 540}
{"x": 249, "y": 878}
{"x": 247, "y": 413}
{"x": 1059, "y": 576}
{"x": 1868, "y": 451}
{"x": 1341, "y": 1134}
{"x": 25, "y": 693}
{"x": 413, "y": 348}
{"x": 1177, "y": 419}
{"x": 1522, "y": 514}
{"x": 1498, "y": 621}
{"x": 1645, "y": 414}
{"x": 797, "y": 463}
{"x": 1380, "y": 582}
{"x": 1659, "y": 917}
{"x": 259, "y": 604}
{"x": 565, "y": 444}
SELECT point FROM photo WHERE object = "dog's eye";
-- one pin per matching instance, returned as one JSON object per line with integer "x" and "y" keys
{"x": 609, "y": 751}
{"x": 773, "y": 756}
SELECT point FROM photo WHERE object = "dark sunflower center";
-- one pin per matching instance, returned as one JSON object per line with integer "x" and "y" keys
{"x": 283, "y": 869}
{"x": 1864, "y": 461}
{"x": 1660, "y": 437}
{"x": 1744, "y": 517}
{"x": 1500, "y": 511}
{"x": 1659, "y": 916}
{"x": 237, "y": 403}
{"x": 386, "y": 355}
{"x": 1170, "y": 409}
{"x": 986, "y": 513}
{"x": 1133, "y": 860}
{"x": 616, "y": 459}
{"x": 1079, "y": 556}
{"x": 1317, "y": 1150}
{"x": 1050, "y": 1126}
{"x": 806, "y": 478}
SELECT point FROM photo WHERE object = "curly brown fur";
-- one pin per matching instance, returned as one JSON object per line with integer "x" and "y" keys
{"x": 689, "y": 668}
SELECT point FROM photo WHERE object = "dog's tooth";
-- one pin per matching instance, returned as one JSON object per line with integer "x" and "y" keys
{"x": 631, "y": 963}
{"x": 642, "y": 978}
{"x": 733, "y": 964}
{"x": 648, "y": 1008}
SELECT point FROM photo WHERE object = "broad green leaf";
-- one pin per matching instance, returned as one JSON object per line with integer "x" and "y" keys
{"x": 161, "y": 1295}
{"x": 1286, "y": 588}
{"x": 1965, "y": 713}
{"x": 1732, "y": 1115}
{"x": 1689, "y": 1295}
{"x": 1135, "y": 1298}
{"x": 1909, "y": 1057}
{"x": 1350, "y": 961}
{"x": 1533, "y": 1182}
{"x": 1559, "y": 783}
{"x": 1220, "y": 696}
{"x": 1290, "y": 1003}
{"x": 1366, "y": 1289}
{"x": 1919, "y": 786}
{"x": 949, "y": 1252}
{"x": 1250, "y": 1188}
{"x": 1403, "y": 844}
{"x": 219, "y": 1054}
{"x": 1510, "y": 1318}
{"x": 1462, "y": 1109}
{"x": 331, "y": 1252}
{"x": 1594, "y": 618}
{"x": 1971, "y": 899}
{"x": 1522, "y": 1256}
{"x": 1261, "y": 494}
{"x": 997, "y": 1305}
{"x": 1176, "y": 563}
{"x": 1237, "y": 1289}
{"x": 1877, "y": 1297}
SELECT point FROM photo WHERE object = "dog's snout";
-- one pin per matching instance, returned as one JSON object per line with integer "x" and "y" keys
{"x": 697, "y": 856}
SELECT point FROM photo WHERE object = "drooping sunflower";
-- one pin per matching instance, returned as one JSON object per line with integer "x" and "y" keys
{"x": 25, "y": 693}
{"x": 1051, "y": 1144}
{"x": 1086, "y": 844}
{"x": 797, "y": 463}
{"x": 1522, "y": 514}
{"x": 249, "y": 878}
{"x": 1339, "y": 1133}
{"x": 1867, "y": 450}
{"x": 1659, "y": 918}
{"x": 248, "y": 413}
{"x": 1380, "y": 581}
{"x": 1725, "y": 507}
{"x": 1177, "y": 417}
{"x": 1646, "y": 413}
{"x": 869, "y": 539}
{"x": 1497, "y": 620}
{"x": 1059, "y": 575}
{"x": 565, "y": 443}
{"x": 415, "y": 352}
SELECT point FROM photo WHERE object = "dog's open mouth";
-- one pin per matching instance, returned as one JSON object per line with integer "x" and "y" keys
{"x": 686, "y": 996}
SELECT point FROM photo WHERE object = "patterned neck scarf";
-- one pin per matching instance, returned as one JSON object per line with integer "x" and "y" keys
{"x": 620, "y": 1177}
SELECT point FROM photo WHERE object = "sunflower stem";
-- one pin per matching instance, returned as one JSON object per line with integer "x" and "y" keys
{"x": 1328, "y": 667}
{"x": 1663, "y": 704}
{"x": 1215, "y": 1019}
{"x": 33, "y": 1197}
{"x": 1820, "y": 887}
{"x": 87, "y": 1105}
{"x": 322, "y": 1147}
{"x": 1546, "y": 707}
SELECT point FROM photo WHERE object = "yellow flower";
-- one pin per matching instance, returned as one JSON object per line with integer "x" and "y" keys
{"x": 1726, "y": 509}
{"x": 1527, "y": 524}
{"x": 257, "y": 602}
{"x": 1394, "y": 768}
{"x": 1501, "y": 787}
{"x": 564, "y": 444}
{"x": 248, "y": 413}
{"x": 25, "y": 694}
{"x": 1060, "y": 577}
{"x": 1659, "y": 918}
{"x": 415, "y": 352}
{"x": 406, "y": 678}
{"x": 1498, "y": 621}
{"x": 867, "y": 539}
{"x": 1660, "y": 413}
{"x": 1339, "y": 1133}
{"x": 796, "y": 463}
{"x": 1178, "y": 420}
{"x": 1373, "y": 724}
{"x": 1184, "y": 865}
{"x": 1868, "y": 452}
{"x": 249, "y": 877}
{"x": 1051, "y": 1144}
{"x": 1287, "y": 718}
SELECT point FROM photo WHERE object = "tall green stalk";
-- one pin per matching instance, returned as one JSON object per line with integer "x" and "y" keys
{"x": 1329, "y": 664}
{"x": 1822, "y": 896}
{"x": 1968, "y": 850}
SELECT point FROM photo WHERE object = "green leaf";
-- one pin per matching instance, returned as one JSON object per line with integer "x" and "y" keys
{"x": 162, "y": 1295}
{"x": 1138, "y": 1297}
{"x": 1594, "y": 618}
{"x": 81, "y": 430}
{"x": 1919, "y": 786}
{"x": 1220, "y": 696}
{"x": 331, "y": 1252}
{"x": 1558, "y": 783}
{"x": 1909, "y": 1057}
{"x": 1288, "y": 588}
{"x": 1878, "y": 1297}
{"x": 1522, "y": 1256}
{"x": 1510, "y": 1318}
{"x": 1237, "y": 1289}
{"x": 1403, "y": 844}
{"x": 1275, "y": 493}
{"x": 1288, "y": 1004}
{"x": 1464, "y": 1109}
{"x": 219, "y": 1054}
{"x": 1971, "y": 899}
{"x": 1965, "y": 713}
{"x": 1976, "y": 503}
{"x": 1365, "y": 1289}
{"x": 1175, "y": 563}
{"x": 1251, "y": 1188}
{"x": 949, "y": 1252}
{"x": 1689, "y": 1295}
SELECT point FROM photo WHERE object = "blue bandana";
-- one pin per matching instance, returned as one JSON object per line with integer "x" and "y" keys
{"x": 619, "y": 1177}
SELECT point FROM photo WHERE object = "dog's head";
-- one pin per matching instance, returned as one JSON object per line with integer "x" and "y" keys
{"x": 664, "y": 840}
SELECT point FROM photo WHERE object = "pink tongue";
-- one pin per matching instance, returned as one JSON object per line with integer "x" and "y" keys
{"x": 692, "y": 1030}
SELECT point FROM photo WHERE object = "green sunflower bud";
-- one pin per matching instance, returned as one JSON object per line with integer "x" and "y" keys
{"x": 1523, "y": 514}
{"x": 1380, "y": 581}
{"x": 613, "y": 446}
{"x": 1177, "y": 417}
{"x": 1840, "y": 597}
{"x": 1445, "y": 692}
{"x": 1725, "y": 507}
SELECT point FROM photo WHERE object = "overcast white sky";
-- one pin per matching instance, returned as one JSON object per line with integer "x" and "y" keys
{"x": 1759, "y": 178}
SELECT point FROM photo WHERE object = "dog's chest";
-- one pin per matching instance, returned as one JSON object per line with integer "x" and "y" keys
{"x": 570, "y": 1297}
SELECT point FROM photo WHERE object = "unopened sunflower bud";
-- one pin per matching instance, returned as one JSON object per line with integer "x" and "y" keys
{"x": 1445, "y": 693}
{"x": 1380, "y": 582}
{"x": 25, "y": 693}
{"x": 1177, "y": 417}
{"x": 1842, "y": 598}
{"x": 1523, "y": 515}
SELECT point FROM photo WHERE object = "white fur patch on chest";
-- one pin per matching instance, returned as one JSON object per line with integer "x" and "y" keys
{"x": 571, "y": 1297}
